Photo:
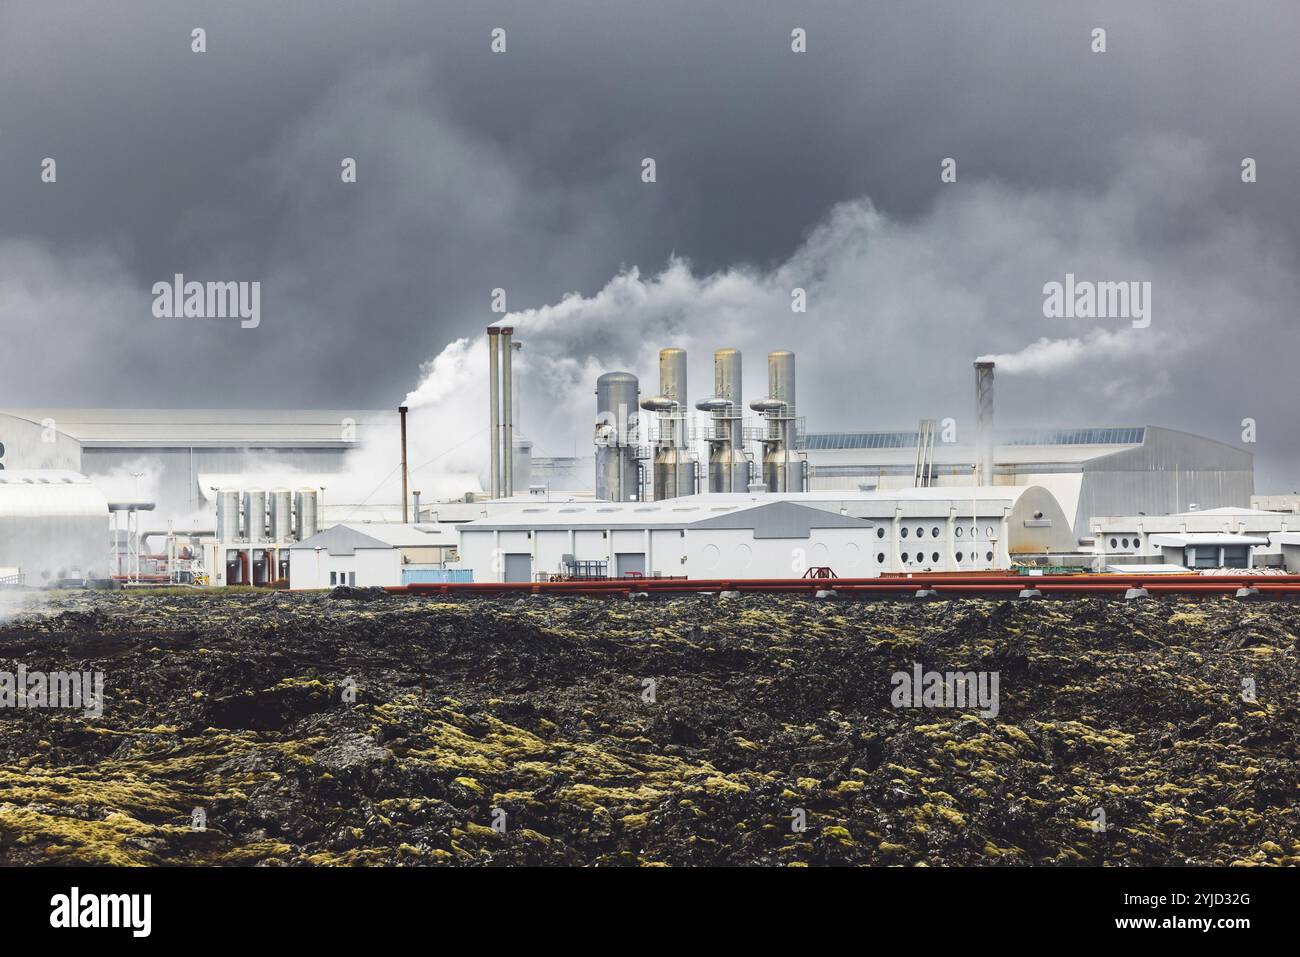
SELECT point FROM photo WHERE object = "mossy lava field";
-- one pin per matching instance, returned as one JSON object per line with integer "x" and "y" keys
{"x": 278, "y": 729}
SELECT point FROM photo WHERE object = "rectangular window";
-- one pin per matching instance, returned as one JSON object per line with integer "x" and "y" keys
{"x": 1236, "y": 556}
{"x": 334, "y": 578}
{"x": 352, "y": 578}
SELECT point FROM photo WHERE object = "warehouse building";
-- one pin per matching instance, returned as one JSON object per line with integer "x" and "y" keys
{"x": 762, "y": 535}
{"x": 1096, "y": 471}
{"x": 175, "y": 450}
{"x": 53, "y": 527}
{"x": 368, "y": 554}
{"x": 1198, "y": 539}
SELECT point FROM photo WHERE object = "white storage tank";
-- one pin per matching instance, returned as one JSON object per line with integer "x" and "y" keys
{"x": 307, "y": 502}
{"x": 255, "y": 515}
{"x": 617, "y": 470}
{"x": 228, "y": 515}
{"x": 281, "y": 515}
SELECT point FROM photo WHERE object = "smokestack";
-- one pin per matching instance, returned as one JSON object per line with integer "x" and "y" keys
{"x": 494, "y": 405}
{"x": 984, "y": 422}
{"x": 507, "y": 411}
{"x": 401, "y": 412}
{"x": 516, "y": 345}
{"x": 416, "y": 495}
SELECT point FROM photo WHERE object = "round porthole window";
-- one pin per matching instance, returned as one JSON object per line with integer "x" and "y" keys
{"x": 988, "y": 556}
{"x": 935, "y": 558}
{"x": 959, "y": 558}
{"x": 934, "y": 532}
{"x": 960, "y": 531}
{"x": 903, "y": 531}
{"x": 905, "y": 558}
{"x": 880, "y": 557}
{"x": 880, "y": 532}
{"x": 1124, "y": 542}
{"x": 1114, "y": 543}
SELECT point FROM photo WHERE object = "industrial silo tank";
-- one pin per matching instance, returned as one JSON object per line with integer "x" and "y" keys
{"x": 228, "y": 515}
{"x": 281, "y": 515}
{"x": 617, "y": 471}
{"x": 255, "y": 515}
{"x": 306, "y": 509}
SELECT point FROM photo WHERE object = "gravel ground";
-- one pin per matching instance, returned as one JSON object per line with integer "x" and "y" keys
{"x": 351, "y": 728}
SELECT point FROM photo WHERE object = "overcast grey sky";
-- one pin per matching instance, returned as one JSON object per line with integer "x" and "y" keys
{"x": 775, "y": 169}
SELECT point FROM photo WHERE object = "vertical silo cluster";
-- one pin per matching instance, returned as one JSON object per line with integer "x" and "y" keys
{"x": 254, "y": 530}
{"x": 281, "y": 517}
{"x": 729, "y": 466}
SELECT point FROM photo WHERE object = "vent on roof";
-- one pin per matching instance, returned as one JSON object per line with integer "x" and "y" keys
{"x": 690, "y": 508}
{"x": 609, "y": 510}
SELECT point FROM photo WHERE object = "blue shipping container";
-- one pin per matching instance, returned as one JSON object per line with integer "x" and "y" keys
{"x": 436, "y": 576}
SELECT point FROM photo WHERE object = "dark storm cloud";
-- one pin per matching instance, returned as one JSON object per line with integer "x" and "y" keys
{"x": 521, "y": 171}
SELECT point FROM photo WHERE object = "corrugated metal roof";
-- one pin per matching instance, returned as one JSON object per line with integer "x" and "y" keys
{"x": 185, "y": 427}
{"x": 694, "y": 510}
{"x": 832, "y": 441}
{"x": 1205, "y": 538}
{"x": 346, "y": 538}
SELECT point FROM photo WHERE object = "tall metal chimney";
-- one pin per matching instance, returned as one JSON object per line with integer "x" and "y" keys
{"x": 674, "y": 468}
{"x": 728, "y": 467}
{"x": 494, "y": 405}
{"x": 782, "y": 470}
{"x": 507, "y": 411}
{"x": 401, "y": 413}
{"x": 984, "y": 422}
{"x": 516, "y": 414}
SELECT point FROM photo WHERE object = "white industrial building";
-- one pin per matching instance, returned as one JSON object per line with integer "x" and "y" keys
{"x": 1199, "y": 539}
{"x": 368, "y": 554}
{"x": 769, "y": 535}
{"x": 179, "y": 451}
{"x": 53, "y": 527}
{"x": 1094, "y": 471}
